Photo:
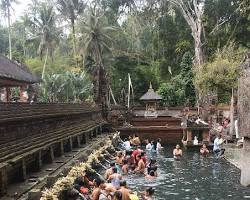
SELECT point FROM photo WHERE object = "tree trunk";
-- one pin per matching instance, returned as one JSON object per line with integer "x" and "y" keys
{"x": 73, "y": 37}
{"x": 199, "y": 60}
{"x": 231, "y": 130}
{"x": 45, "y": 62}
{"x": 96, "y": 82}
{"x": 9, "y": 30}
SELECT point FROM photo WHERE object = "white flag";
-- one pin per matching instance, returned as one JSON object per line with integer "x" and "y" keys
{"x": 130, "y": 87}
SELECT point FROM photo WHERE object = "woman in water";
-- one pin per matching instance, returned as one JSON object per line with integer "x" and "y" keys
{"x": 151, "y": 175}
{"x": 177, "y": 153}
{"x": 204, "y": 151}
{"x": 152, "y": 166}
{"x": 148, "y": 194}
{"x": 154, "y": 147}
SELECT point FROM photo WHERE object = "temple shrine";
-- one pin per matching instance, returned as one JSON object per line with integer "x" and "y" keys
{"x": 151, "y": 99}
{"x": 152, "y": 121}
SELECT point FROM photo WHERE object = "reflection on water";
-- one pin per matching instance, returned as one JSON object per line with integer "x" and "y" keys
{"x": 194, "y": 177}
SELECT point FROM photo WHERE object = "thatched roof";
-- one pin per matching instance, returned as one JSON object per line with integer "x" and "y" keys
{"x": 151, "y": 95}
{"x": 15, "y": 74}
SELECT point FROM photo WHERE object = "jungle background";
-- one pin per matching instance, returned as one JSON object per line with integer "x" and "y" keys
{"x": 86, "y": 49}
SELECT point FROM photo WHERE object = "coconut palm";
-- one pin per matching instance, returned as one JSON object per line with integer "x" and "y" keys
{"x": 71, "y": 10}
{"x": 96, "y": 41}
{"x": 6, "y": 6}
{"x": 66, "y": 87}
{"x": 44, "y": 31}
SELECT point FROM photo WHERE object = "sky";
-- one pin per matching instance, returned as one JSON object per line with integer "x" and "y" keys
{"x": 19, "y": 10}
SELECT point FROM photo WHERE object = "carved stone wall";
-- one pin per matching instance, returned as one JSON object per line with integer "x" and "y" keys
{"x": 244, "y": 100}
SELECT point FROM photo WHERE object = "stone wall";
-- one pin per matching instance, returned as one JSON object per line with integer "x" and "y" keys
{"x": 33, "y": 135}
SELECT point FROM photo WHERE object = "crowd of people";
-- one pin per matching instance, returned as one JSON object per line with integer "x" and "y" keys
{"x": 132, "y": 159}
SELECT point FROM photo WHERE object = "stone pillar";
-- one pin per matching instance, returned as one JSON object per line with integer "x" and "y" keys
{"x": 3, "y": 179}
{"x": 51, "y": 154}
{"x": 23, "y": 170}
{"x": 61, "y": 148}
{"x": 39, "y": 161}
{"x": 245, "y": 163}
{"x": 78, "y": 141}
{"x": 95, "y": 132}
{"x": 70, "y": 144}
{"x": 87, "y": 137}
{"x": 100, "y": 129}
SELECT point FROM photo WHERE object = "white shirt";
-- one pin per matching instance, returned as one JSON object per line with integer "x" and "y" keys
{"x": 148, "y": 146}
{"x": 158, "y": 146}
{"x": 127, "y": 145}
{"x": 217, "y": 143}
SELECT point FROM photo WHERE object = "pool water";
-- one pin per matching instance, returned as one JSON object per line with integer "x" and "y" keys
{"x": 193, "y": 177}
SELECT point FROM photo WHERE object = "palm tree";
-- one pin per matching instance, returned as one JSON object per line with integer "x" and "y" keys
{"x": 6, "y": 6}
{"x": 66, "y": 87}
{"x": 43, "y": 30}
{"x": 96, "y": 40}
{"x": 71, "y": 10}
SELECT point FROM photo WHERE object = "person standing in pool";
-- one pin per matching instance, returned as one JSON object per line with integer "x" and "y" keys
{"x": 204, "y": 151}
{"x": 177, "y": 152}
{"x": 141, "y": 165}
{"x": 152, "y": 166}
{"x": 218, "y": 146}
{"x": 124, "y": 190}
{"x": 109, "y": 171}
{"x": 115, "y": 178}
{"x": 151, "y": 175}
{"x": 148, "y": 194}
{"x": 154, "y": 147}
{"x": 158, "y": 145}
{"x": 148, "y": 145}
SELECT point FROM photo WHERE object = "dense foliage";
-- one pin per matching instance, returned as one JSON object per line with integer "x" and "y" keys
{"x": 109, "y": 39}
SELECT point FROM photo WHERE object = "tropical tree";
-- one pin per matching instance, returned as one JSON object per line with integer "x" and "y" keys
{"x": 96, "y": 40}
{"x": 71, "y": 9}
{"x": 44, "y": 32}
{"x": 221, "y": 74}
{"x": 6, "y": 6}
{"x": 66, "y": 87}
{"x": 192, "y": 11}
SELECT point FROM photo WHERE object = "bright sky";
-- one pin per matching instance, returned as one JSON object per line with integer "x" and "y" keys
{"x": 20, "y": 8}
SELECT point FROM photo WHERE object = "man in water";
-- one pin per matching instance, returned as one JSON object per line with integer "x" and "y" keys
{"x": 158, "y": 145}
{"x": 141, "y": 165}
{"x": 148, "y": 194}
{"x": 115, "y": 178}
{"x": 119, "y": 158}
{"x": 109, "y": 171}
{"x": 97, "y": 189}
{"x": 130, "y": 158}
{"x": 218, "y": 146}
{"x": 148, "y": 145}
{"x": 177, "y": 153}
{"x": 126, "y": 144}
{"x": 125, "y": 167}
{"x": 124, "y": 190}
{"x": 204, "y": 151}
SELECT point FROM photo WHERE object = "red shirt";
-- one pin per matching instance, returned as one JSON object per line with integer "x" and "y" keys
{"x": 136, "y": 152}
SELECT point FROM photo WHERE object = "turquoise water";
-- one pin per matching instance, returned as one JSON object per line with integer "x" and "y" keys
{"x": 194, "y": 177}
